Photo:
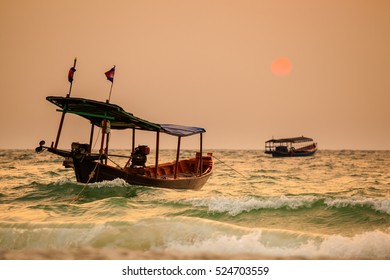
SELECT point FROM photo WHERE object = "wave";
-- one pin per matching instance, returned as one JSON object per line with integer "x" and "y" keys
{"x": 237, "y": 205}
{"x": 283, "y": 244}
{"x": 378, "y": 204}
{"x": 104, "y": 184}
{"x": 66, "y": 190}
{"x": 193, "y": 236}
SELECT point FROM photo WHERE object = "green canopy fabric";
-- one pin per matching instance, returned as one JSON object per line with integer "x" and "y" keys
{"x": 97, "y": 111}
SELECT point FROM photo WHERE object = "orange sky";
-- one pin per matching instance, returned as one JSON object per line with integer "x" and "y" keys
{"x": 202, "y": 63}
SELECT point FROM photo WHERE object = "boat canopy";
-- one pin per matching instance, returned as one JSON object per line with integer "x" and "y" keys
{"x": 290, "y": 140}
{"x": 96, "y": 111}
{"x": 180, "y": 130}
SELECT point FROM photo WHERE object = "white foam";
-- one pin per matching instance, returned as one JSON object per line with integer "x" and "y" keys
{"x": 110, "y": 184}
{"x": 378, "y": 204}
{"x": 63, "y": 181}
{"x": 370, "y": 245}
{"x": 195, "y": 236}
{"x": 235, "y": 206}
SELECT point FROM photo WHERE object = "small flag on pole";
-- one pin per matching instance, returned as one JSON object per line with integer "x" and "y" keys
{"x": 70, "y": 74}
{"x": 110, "y": 74}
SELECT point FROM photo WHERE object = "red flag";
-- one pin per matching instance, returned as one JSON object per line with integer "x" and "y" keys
{"x": 110, "y": 74}
{"x": 70, "y": 74}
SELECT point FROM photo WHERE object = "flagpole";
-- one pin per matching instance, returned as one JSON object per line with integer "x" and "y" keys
{"x": 109, "y": 96}
{"x": 112, "y": 84}
{"x": 64, "y": 111}
{"x": 71, "y": 83}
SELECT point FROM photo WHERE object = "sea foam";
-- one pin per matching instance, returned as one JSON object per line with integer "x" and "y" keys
{"x": 235, "y": 206}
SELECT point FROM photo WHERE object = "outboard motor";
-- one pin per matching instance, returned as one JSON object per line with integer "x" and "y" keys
{"x": 138, "y": 157}
{"x": 41, "y": 147}
{"x": 79, "y": 150}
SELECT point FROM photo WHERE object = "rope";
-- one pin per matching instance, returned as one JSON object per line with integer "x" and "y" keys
{"x": 114, "y": 162}
{"x": 91, "y": 175}
{"x": 229, "y": 166}
{"x": 97, "y": 137}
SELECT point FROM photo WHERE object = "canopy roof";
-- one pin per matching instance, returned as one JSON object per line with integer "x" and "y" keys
{"x": 290, "y": 140}
{"x": 96, "y": 111}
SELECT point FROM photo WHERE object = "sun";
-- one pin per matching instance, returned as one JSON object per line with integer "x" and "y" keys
{"x": 281, "y": 66}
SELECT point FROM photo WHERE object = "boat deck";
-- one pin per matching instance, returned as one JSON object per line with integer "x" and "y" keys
{"x": 185, "y": 168}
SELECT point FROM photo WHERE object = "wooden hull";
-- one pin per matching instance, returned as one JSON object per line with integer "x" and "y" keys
{"x": 90, "y": 171}
{"x": 106, "y": 173}
{"x": 291, "y": 154}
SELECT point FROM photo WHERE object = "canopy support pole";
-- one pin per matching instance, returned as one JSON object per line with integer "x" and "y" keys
{"x": 132, "y": 147}
{"x": 59, "y": 130}
{"x": 103, "y": 135}
{"x": 201, "y": 154}
{"x": 91, "y": 138}
{"x": 177, "y": 156}
{"x": 157, "y": 151}
{"x": 106, "y": 150}
{"x": 133, "y": 141}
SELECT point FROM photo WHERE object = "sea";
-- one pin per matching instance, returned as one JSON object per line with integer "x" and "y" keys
{"x": 334, "y": 205}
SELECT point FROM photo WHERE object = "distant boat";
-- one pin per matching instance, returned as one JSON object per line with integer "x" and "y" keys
{"x": 291, "y": 147}
{"x": 92, "y": 167}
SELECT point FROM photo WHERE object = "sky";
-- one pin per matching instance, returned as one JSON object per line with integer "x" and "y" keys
{"x": 205, "y": 63}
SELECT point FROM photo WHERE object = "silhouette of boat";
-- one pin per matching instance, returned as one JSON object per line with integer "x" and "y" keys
{"x": 291, "y": 147}
{"x": 89, "y": 167}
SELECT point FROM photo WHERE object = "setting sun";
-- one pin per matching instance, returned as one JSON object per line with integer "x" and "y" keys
{"x": 281, "y": 66}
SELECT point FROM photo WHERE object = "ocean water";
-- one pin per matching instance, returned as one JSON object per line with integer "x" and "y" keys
{"x": 335, "y": 205}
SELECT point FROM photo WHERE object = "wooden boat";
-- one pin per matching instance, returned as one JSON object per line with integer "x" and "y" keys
{"x": 92, "y": 167}
{"x": 291, "y": 147}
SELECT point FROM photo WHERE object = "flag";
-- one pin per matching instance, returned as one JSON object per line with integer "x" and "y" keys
{"x": 70, "y": 74}
{"x": 110, "y": 74}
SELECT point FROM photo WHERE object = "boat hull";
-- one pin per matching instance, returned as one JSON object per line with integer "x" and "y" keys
{"x": 291, "y": 154}
{"x": 102, "y": 172}
{"x": 89, "y": 169}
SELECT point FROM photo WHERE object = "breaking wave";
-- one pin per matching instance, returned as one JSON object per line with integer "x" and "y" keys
{"x": 192, "y": 236}
{"x": 234, "y": 206}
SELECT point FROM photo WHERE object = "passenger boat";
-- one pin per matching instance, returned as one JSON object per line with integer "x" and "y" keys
{"x": 92, "y": 166}
{"x": 291, "y": 147}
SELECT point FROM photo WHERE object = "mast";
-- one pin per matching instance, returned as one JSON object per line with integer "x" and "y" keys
{"x": 70, "y": 79}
